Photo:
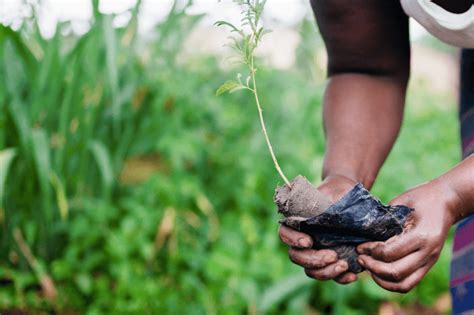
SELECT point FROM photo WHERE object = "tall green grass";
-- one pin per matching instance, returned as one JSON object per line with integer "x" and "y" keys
{"x": 72, "y": 110}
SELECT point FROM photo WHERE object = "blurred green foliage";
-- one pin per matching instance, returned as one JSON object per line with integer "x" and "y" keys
{"x": 200, "y": 235}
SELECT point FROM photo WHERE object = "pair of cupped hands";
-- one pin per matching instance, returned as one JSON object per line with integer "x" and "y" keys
{"x": 398, "y": 264}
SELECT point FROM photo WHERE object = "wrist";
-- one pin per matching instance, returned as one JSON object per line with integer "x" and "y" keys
{"x": 335, "y": 186}
{"x": 332, "y": 177}
{"x": 459, "y": 183}
{"x": 349, "y": 176}
{"x": 450, "y": 198}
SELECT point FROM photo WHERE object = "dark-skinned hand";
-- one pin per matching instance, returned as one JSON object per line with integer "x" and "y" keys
{"x": 402, "y": 261}
{"x": 320, "y": 264}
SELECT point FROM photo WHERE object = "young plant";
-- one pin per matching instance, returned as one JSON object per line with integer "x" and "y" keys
{"x": 245, "y": 41}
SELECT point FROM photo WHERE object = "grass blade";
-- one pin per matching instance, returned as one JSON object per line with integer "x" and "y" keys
{"x": 6, "y": 158}
{"x": 112, "y": 73}
{"x": 61, "y": 197}
{"x": 22, "y": 124}
{"x": 41, "y": 154}
{"x": 275, "y": 294}
{"x": 102, "y": 158}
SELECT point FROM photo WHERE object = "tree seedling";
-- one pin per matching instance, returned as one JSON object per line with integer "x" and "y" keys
{"x": 245, "y": 41}
{"x": 292, "y": 198}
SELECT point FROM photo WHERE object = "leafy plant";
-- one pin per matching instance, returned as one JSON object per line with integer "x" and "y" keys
{"x": 246, "y": 40}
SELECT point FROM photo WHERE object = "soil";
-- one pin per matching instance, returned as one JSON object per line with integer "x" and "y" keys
{"x": 356, "y": 218}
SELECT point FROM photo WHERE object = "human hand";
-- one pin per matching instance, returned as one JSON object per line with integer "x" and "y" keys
{"x": 320, "y": 264}
{"x": 401, "y": 262}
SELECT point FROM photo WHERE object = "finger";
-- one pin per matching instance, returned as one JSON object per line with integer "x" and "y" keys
{"x": 394, "y": 271}
{"x": 346, "y": 278}
{"x": 329, "y": 272}
{"x": 366, "y": 248}
{"x": 311, "y": 258}
{"x": 294, "y": 238}
{"x": 395, "y": 248}
{"x": 404, "y": 286}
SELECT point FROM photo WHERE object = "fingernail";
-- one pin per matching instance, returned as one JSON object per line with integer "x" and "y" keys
{"x": 304, "y": 242}
{"x": 361, "y": 262}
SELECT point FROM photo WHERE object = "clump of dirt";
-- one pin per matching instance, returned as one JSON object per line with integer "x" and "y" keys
{"x": 300, "y": 199}
{"x": 356, "y": 218}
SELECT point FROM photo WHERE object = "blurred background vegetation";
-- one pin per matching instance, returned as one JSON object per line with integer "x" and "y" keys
{"x": 127, "y": 187}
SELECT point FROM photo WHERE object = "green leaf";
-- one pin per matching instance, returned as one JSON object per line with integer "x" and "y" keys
{"x": 22, "y": 124}
{"x": 41, "y": 154}
{"x": 224, "y": 23}
{"x": 102, "y": 158}
{"x": 61, "y": 198}
{"x": 6, "y": 158}
{"x": 111, "y": 46}
{"x": 281, "y": 289}
{"x": 42, "y": 163}
{"x": 229, "y": 86}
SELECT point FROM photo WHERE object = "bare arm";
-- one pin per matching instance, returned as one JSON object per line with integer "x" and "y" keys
{"x": 461, "y": 180}
{"x": 368, "y": 67}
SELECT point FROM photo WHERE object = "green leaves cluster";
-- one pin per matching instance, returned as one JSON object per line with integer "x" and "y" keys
{"x": 229, "y": 86}
{"x": 244, "y": 40}
{"x": 248, "y": 35}
{"x": 245, "y": 45}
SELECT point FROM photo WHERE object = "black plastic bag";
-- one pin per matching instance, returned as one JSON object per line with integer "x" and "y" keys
{"x": 356, "y": 218}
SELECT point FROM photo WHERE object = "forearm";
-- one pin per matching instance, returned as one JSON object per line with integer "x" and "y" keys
{"x": 458, "y": 186}
{"x": 362, "y": 118}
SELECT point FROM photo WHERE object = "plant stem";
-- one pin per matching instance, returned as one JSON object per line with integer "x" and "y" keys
{"x": 262, "y": 123}
{"x": 46, "y": 282}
